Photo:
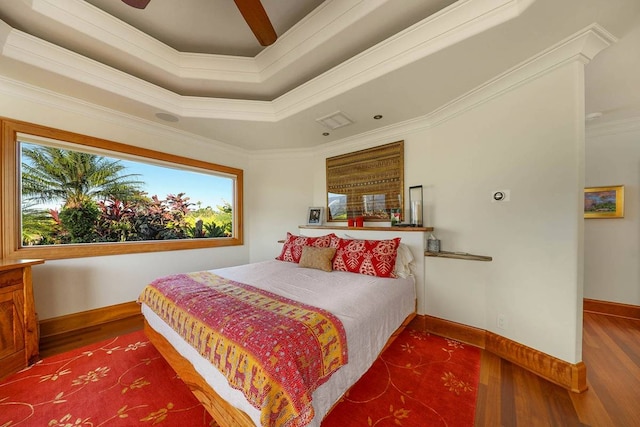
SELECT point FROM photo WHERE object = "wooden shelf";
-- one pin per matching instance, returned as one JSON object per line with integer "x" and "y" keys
{"x": 458, "y": 255}
{"x": 372, "y": 228}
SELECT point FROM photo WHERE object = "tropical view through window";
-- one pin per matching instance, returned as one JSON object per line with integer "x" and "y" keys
{"x": 71, "y": 196}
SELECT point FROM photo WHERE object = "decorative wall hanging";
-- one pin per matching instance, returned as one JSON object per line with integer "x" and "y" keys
{"x": 367, "y": 183}
{"x": 604, "y": 202}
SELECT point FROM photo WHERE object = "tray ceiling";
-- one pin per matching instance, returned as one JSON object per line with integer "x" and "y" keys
{"x": 201, "y": 64}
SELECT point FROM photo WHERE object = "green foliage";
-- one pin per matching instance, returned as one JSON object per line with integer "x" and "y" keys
{"x": 37, "y": 225}
{"x": 175, "y": 214}
{"x": 102, "y": 204}
{"x": 213, "y": 223}
{"x": 115, "y": 221}
{"x": 155, "y": 219}
{"x": 206, "y": 230}
{"x": 213, "y": 230}
{"x": 118, "y": 221}
{"x": 80, "y": 221}
{"x": 55, "y": 174}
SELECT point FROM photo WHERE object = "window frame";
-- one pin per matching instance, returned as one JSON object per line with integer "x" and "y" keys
{"x": 10, "y": 198}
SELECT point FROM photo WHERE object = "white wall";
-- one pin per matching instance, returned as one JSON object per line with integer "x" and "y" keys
{"x": 523, "y": 132}
{"x": 69, "y": 286}
{"x": 74, "y": 285}
{"x": 612, "y": 246}
{"x": 280, "y": 198}
{"x": 529, "y": 140}
{"x": 524, "y": 143}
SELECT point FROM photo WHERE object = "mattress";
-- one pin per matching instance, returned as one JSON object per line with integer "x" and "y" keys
{"x": 370, "y": 309}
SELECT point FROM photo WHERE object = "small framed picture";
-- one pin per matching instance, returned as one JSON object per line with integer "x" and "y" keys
{"x": 604, "y": 202}
{"x": 314, "y": 216}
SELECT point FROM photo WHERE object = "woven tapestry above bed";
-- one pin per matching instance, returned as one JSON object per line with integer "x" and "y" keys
{"x": 368, "y": 183}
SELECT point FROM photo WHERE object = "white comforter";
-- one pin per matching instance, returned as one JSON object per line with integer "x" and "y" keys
{"x": 370, "y": 308}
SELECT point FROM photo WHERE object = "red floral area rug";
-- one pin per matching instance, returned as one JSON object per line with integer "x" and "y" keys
{"x": 120, "y": 382}
{"x": 421, "y": 380}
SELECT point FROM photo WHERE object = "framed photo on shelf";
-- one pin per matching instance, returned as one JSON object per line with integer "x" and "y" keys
{"x": 314, "y": 216}
{"x": 604, "y": 202}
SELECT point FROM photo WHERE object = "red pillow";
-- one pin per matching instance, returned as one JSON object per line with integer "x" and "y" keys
{"x": 371, "y": 257}
{"x": 292, "y": 248}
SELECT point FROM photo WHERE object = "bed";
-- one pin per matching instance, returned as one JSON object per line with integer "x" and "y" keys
{"x": 371, "y": 311}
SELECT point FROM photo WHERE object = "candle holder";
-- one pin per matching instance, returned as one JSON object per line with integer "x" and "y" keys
{"x": 415, "y": 206}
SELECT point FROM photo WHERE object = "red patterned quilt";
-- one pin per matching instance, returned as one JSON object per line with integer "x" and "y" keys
{"x": 275, "y": 350}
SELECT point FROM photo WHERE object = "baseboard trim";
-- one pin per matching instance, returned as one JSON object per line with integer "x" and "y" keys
{"x": 612, "y": 308}
{"x": 60, "y": 329}
{"x": 457, "y": 331}
{"x": 567, "y": 375}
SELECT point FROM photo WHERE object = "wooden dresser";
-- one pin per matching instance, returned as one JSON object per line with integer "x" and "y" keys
{"x": 18, "y": 323}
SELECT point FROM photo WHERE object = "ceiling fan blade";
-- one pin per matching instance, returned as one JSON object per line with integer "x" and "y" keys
{"x": 257, "y": 19}
{"x": 138, "y": 4}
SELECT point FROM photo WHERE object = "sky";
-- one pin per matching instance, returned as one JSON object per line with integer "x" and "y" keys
{"x": 202, "y": 187}
{"x": 199, "y": 187}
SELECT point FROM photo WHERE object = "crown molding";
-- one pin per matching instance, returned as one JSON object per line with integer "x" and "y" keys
{"x": 581, "y": 46}
{"x": 325, "y": 22}
{"x": 457, "y": 22}
{"x": 55, "y": 101}
{"x": 97, "y": 25}
{"x": 461, "y": 20}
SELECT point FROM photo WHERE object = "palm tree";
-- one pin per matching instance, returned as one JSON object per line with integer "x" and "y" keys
{"x": 36, "y": 226}
{"x": 76, "y": 179}
{"x": 54, "y": 174}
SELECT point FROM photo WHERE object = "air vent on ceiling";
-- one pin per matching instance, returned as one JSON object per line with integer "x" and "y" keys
{"x": 335, "y": 120}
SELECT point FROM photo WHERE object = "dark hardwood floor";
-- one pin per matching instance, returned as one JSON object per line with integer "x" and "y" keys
{"x": 510, "y": 396}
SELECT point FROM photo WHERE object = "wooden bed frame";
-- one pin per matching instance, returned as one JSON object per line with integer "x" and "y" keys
{"x": 222, "y": 412}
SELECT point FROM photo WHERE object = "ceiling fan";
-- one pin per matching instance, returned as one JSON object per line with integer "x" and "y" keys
{"x": 252, "y": 11}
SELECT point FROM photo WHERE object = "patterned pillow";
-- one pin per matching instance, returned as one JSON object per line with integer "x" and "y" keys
{"x": 292, "y": 248}
{"x": 318, "y": 258}
{"x": 371, "y": 257}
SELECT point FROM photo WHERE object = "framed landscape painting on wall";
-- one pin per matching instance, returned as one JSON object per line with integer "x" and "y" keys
{"x": 604, "y": 202}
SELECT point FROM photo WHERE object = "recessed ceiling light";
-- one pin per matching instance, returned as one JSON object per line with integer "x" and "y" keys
{"x": 167, "y": 117}
{"x": 377, "y": 116}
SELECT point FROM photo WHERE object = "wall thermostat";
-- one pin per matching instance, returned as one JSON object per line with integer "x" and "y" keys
{"x": 500, "y": 196}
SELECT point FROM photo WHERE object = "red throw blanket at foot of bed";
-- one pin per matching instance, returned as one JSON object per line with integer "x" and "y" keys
{"x": 275, "y": 350}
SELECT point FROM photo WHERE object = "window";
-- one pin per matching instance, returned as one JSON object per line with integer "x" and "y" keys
{"x": 66, "y": 195}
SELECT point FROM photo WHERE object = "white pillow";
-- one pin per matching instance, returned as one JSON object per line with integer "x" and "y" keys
{"x": 404, "y": 262}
